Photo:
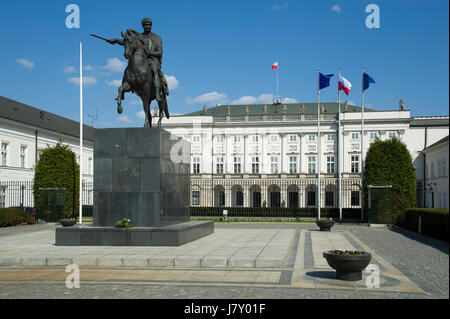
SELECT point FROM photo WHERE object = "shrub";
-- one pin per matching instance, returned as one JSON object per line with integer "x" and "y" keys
{"x": 14, "y": 216}
{"x": 390, "y": 163}
{"x": 435, "y": 221}
{"x": 56, "y": 168}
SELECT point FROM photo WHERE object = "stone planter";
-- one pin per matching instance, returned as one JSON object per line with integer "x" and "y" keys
{"x": 67, "y": 222}
{"x": 325, "y": 224}
{"x": 348, "y": 267}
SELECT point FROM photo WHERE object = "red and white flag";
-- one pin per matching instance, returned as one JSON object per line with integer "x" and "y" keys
{"x": 275, "y": 66}
{"x": 344, "y": 84}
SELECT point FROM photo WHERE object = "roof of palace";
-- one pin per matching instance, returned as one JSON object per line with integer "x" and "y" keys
{"x": 441, "y": 141}
{"x": 277, "y": 109}
{"x": 26, "y": 114}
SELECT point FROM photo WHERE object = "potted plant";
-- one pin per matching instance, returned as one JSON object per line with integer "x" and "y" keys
{"x": 348, "y": 264}
{"x": 325, "y": 224}
{"x": 123, "y": 223}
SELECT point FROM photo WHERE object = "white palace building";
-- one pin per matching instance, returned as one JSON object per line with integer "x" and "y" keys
{"x": 252, "y": 155}
{"x": 267, "y": 155}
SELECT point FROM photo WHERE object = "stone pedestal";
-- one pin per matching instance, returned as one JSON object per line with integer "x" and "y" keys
{"x": 134, "y": 177}
{"x": 142, "y": 174}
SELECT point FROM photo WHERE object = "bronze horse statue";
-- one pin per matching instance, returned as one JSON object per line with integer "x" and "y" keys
{"x": 138, "y": 78}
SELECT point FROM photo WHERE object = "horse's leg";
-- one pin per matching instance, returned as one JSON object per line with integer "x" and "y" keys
{"x": 125, "y": 87}
{"x": 146, "y": 104}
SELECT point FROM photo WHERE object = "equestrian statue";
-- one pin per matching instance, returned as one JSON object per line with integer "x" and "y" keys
{"x": 143, "y": 75}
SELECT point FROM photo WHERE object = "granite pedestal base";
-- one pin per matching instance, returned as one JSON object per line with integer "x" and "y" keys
{"x": 172, "y": 235}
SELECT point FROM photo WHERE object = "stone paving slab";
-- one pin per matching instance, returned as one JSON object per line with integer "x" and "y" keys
{"x": 226, "y": 248}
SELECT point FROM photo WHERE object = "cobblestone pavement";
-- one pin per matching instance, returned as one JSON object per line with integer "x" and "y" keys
{"x": 411, "y": 267}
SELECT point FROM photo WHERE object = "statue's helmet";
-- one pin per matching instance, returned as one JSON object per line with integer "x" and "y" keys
{"x": 147, "y": 21}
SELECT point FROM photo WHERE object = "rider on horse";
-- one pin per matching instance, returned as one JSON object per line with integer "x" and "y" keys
{"x": 154, "y": 51}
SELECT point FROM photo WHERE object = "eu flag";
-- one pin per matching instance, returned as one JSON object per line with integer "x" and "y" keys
{"x": 324, "y": 80}
{"x": 366, "y": 81}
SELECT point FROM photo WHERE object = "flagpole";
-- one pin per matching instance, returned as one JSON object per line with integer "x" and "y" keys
{"x": 318, "y": 143}
{"x": 362, "y": 148}
{"x": 81, "y": 136}
{"x": 277, "y": 83}
{"x": 340, "y": 137}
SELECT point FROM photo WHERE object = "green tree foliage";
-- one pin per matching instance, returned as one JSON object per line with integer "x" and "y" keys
{"x": 57, "y": 167}
{"x": 390, "y": 163}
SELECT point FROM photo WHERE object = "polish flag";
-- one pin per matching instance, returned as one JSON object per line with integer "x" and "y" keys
{"x": 344, "y": 85}
{"x": 275, "y": 66}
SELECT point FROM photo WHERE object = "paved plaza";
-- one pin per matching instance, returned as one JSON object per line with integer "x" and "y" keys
{"x": 238, "y": 261}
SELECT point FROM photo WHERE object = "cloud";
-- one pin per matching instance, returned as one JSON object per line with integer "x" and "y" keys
{"x": 208, "y": 98}
{"x": 115, "y": 65}
{"x": 288, "y": 100}
{"x": 280, "y": 7}
{"x": 124, "y": 119}
{"x": 26, "y": 63}
{"x": 115, "y": 83}
{"x": 262, "y": 99}
{"x": 141, "y": 115}
{"x": 69, "y": 69}
{"x": 87, "y": 80}
{"x": 172, "y": 82}
{"x": 336, "y": 8}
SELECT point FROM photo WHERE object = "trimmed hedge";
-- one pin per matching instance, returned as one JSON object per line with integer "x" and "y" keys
{"x": 435, "y": 221}
{"x": 297, "y": 212}
{"x": 14, "y": 216}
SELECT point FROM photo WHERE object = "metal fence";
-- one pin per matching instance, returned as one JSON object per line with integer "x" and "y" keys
{"x": 20, "y": 194}
{"x": 276, "y": 212}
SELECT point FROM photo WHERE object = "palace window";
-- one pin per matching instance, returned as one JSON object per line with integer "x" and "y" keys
{"x": 293, "y": 164}
{"x": 354, "y": 198}
{"x": 219, "y": 165}
{"x": 330, "y": 164}
{"x": 273, "y": 138}
{"x": 331, "y": 137}
{"x": 195, "y": 198}
{"x": 255, "y": 138}
{"x": 255, "y": 165}
{"x": 392, "y": 134}
{"x": 237, "y": 139}
{"x": 196, "y": 165}
{"x": 274, "y": 164}
{"x": 439, "y": 168}
{"x": 432, "y": 170}
{"x": 312, "y": 137}
{"x": 311, "y": 164}
{"x": 90, "y": 166}
{"x": 23, "y": 150}
{"x": 292, "y": 138}
{"x": 237, "y": 165}
{"x": 196, "y": 138}
{"x": 219, "y": 138}
{"x": 373, "y": 135}
{"x": 354, "y": 164}
{"x": 4, "y": 153}
{"x": 329, "y": 198}
{"x": 355, "y": 135}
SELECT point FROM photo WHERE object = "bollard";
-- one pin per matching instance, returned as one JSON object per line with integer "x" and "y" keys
{"x": 225, "y": 215}
{"x": 420, "y": 224}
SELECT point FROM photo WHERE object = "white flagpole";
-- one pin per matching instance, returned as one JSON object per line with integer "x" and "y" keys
{"x": 318, "y": 145}
{"x": 277, "y": 82}
{"x": 340, "y": 137}
{"x": 362, "y": 149}
{"x": 81, "y": 136}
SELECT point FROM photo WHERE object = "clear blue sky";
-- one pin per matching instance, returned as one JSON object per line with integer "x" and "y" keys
{"x": 221, "y": 52}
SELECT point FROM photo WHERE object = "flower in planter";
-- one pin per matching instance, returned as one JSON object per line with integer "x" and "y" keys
{"x": 124, "y": 223}
{"x": 345, "y": 252}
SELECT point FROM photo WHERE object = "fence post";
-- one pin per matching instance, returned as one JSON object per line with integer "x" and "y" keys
{"x": 420, "y": 224}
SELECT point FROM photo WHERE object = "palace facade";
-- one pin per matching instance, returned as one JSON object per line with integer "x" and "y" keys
{"x": 268, "y": 155}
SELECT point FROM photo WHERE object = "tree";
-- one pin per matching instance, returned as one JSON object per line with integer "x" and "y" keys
{"x": 390, "y": 163}
{"x": 57, "y": 167}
